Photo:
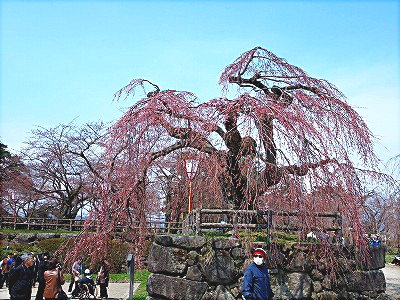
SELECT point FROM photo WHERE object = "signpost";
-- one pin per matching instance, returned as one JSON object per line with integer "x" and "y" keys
{"x": 130, "y": 259}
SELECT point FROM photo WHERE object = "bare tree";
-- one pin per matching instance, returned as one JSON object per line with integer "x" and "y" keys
{"x": 61, "y": 162}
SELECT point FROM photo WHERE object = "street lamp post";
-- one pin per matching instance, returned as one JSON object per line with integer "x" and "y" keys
{"x": 191, "y": 166}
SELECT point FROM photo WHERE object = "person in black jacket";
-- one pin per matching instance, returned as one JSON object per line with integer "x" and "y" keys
{"x": 43, "y": 266}
{"x": 20, "y": 279}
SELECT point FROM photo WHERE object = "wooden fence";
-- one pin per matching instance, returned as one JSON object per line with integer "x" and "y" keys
{"x": 196, "y": 222}
{"x": 222, "y": 219}
{"x": 154, "y": 225}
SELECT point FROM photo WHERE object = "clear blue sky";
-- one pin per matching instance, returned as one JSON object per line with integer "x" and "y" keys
{"x": 64, "y": 60}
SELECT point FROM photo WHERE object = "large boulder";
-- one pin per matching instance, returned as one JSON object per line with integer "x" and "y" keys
{"x": 377, "y": 258}
{"x": 291, "y": 285}
{"x": 45, "y": 236}
{"x": 163, "y": 286}
{"x": 24, "y": 238}
{"x": 186, "y": 242}
{"x": 218, "y": 267}
{"x": 361, "y": 281}
{"x": 225, "y": 243}
{"x": 163, "y": 240}
{"x": 385, "y": 297}
{"x": 300, "y": 262}
{"x": 275, "y": 259}
{"x": 327, "y": 295}
{"x": 194, "y": 273}
{"x": 238, "y": 254}
{"x": 167, "y": 260}
{"x": 189, "y": 242}
{"x": 223, "y": 294}
{"x": 67, "y": 235}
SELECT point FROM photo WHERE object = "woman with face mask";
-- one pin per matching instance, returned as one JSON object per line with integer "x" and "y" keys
{"x": 256, "y": 284}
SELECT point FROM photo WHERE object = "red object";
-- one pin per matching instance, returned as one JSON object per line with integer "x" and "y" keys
{"x": 259, "y": 251}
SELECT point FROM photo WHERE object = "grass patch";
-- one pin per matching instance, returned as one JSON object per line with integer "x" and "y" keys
{"x": 140, "y": 276}
{"x": 120, "y": 277}
{"x": 141, "y": 292}
{"x": 389, "y": 258}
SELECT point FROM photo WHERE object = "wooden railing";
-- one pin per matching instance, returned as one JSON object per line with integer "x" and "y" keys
{"x": 153, "y": 226}
{"x": 195, "y": 222}
{"x": 227, "y": 219}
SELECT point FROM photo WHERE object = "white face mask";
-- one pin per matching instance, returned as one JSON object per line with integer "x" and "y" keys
{"x": 258, "y": 260}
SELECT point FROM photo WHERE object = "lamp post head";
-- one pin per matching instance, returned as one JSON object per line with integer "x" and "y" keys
{"x": 191, "y": 166}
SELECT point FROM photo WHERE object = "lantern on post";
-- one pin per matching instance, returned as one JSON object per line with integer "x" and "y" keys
{"x": 191, "y": 166}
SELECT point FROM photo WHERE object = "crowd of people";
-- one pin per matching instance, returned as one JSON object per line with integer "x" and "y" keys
{"x": 19, "y": 273}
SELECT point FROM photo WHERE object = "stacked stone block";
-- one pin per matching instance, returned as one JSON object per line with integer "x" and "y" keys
{"x": 191, "y": 268}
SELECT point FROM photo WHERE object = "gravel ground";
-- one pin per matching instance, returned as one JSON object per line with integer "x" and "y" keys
{"x": 116, "y": 291}
{"x": 392, "y": 276}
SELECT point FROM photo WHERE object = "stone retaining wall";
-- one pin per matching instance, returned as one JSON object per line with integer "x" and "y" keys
{"x": 189, "y": 268}
{"x": 32, "y": 238}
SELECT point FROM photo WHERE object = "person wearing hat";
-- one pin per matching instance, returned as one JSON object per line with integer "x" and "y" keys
{"x": 256, "y": 284}
{"x": 88, "y": 280}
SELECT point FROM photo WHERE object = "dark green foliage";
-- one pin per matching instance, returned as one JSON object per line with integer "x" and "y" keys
{"x": 284, "y": 238}
{"x": 24, "y": 247}
{"x": 117, "y": 255}
{"x": 50, "y": 245}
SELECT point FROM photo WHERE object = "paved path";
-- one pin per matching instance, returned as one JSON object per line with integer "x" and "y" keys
{"x": 392, "y": 276}
{"x": 116, "y": 291}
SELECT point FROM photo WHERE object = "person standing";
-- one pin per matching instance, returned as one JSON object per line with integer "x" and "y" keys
{"x": 43, "y": 266}
{"x": 76, "y": 271}
{"x": 256, "y": 283}
{"x": 54, "y": 279}
{"x": 5, "y": 268}
{"x": 103, "y": 277}
{"x": 20, "y": 279}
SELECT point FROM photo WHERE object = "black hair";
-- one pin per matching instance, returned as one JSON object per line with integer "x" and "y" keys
{"x": 52, "y": 264}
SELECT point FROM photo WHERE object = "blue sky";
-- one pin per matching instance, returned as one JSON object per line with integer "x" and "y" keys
{"x": 64, "y": 60}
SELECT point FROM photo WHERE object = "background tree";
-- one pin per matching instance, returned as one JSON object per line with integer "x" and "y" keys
{"x": 12, "y": 175}
{"x": 382, "y": 206}
{"x": 61, "y": 163}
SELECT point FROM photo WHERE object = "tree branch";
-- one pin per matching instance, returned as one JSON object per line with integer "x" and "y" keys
{"x": 304, "y": 168}
{"x": 252, "y": 81}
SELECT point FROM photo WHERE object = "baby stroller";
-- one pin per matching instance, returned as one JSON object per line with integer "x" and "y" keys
{"x": 86, "y": 288}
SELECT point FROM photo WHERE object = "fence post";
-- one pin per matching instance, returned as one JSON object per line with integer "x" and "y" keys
{"x": 198, "y": 221}
{"x": 131, "y": 271}
{"x": 234, "y": 223}
{"x": 269, "y": 226}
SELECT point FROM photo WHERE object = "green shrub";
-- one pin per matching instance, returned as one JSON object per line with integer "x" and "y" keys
{"x": 389, "y": 258}
{"x": 50, "y": 245}
{"x": 118, "y": 251}
{"x": 24, "y": 247}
